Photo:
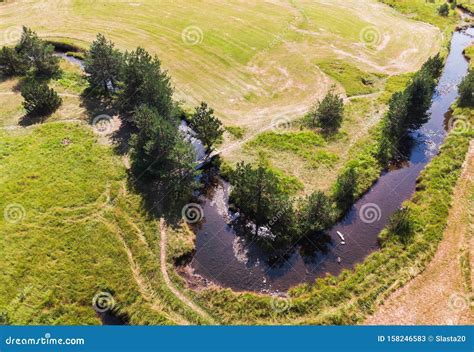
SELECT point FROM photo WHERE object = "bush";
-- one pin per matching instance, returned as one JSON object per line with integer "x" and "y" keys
{"x": 443, "y": 10}
{"x": 401, "y": 225}
{"x": 329, "y": 113}
{"x": 11, "y": 63}
{"x": 314, "y": 214}
{"x": 466, "y": 90}
{"x": 345, "y": 189}
{"x": 39, "y": 99}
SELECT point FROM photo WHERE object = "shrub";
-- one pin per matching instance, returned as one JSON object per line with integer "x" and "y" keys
{"x": 11, "y": 63}
{"x": 466, "y": 90}
{"x": 39, "y": 99}
{"x": 443, "y": 10}
{"x": 328, "y": 113}
{"x": 401, "y": 225}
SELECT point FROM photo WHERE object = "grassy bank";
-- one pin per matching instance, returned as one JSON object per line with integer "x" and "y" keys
{"x": 71, "y": 230}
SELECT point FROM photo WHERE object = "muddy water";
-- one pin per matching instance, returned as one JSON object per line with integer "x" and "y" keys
{"x": 228, "y": 260}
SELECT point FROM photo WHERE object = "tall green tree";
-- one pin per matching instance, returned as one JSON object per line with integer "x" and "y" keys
{"x": 144, "y": 82}
{"x": 102, "y": 65}
{"x": 38, "y": 54}
{"x": 418, "y": 99}
{"x": 329, "y": 113}
{"x": 161, "y": 157}
{"x": 207, "y": 127}
{"x": 345, "y": 188}
{"x": 315, "y": 214}
{"x": 11, "y": 63}
{"x": 39, "y": 99}
{"x": 257, "y": 194}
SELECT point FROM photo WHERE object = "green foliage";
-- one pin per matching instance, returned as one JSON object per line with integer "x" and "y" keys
{"x": 354, "y": 81}
{"x": 443, "y": 10}
{"x": 237, "y": 132}
{"x": 39, "y": 99}
{"x": 38, "y": 54}
{"x": 102, "y": 65}
{"x": 408, "y": 110}
{"x": 344, "y": 189}
{"x": 144, "y": 82}
{"x": 315, "y": 214}
{"x": 466, "y": 90}
{"x": 207, "y": 127}
{"x": 257, "y": 194}
{"x": 302, "y": 143}
{"x": 161, "y": 157}
{"x": 328, "y": 113}
{"x": 11, "y": 63}
{"x": 401, "y": 225}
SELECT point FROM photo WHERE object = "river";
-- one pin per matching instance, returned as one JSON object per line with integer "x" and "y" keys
{"x": 226, "y": 259}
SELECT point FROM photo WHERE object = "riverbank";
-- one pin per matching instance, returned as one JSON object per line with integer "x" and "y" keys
{"x": 441, "y": 294}
{"x": 247, "y": 268}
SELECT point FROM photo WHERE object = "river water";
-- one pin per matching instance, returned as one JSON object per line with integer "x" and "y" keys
{"x": 229, "y": 260}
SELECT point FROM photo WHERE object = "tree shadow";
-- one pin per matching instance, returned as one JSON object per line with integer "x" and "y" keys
{"x": 30, "y": 119}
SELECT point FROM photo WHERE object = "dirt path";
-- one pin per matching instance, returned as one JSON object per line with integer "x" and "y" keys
{"x": 166, "y": 278}
{"x": 438, "y": 295}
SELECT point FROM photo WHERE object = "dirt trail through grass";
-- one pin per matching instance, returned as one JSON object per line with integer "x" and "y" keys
{"x": 166, "y": 278}
{"x": 439, "y": 295}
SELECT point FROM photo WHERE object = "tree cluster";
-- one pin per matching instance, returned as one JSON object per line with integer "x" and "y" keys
{"x": 33, "y": 58}
{"x": 277, "y": 222}
{"x": 408, "y": 111}
{"x": 161, "y": 154}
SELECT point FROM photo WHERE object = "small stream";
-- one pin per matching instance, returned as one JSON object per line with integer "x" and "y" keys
{"x": 229, "y": 260}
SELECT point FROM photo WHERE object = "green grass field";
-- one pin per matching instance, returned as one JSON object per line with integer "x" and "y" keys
{"x": 267, "y": 60}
